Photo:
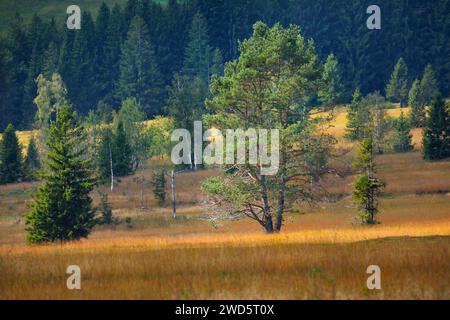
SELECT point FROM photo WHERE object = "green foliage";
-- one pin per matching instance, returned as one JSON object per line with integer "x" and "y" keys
{"x": 159, "y": 186}
{"x": 52, "y": 95}
{"x": 90, "y": 60}
{"x": 105, "y": 155}
{"x": 417, "y": 105}
{"x": 366, "y": 117}
{"x": 198, "y": 55}
{"x": 397, "y": 88}
{"x": 367, "y": 187}
{"x": 32, "y": 162}
{"x": 11, "y": 169}
{"x": 122, "y": 152}
{"x": 402, "y": 139}
{"x": 62, "y": 208}
{"x": 106, "y": 210}
{"x": 428, "y": 85}
{"x": 139, "y": 73}
{"x": 357, "y": 117}
{"x": 436, "y": 137}
{"x": 269, "y": 86}
{"x": 331, "y": 94}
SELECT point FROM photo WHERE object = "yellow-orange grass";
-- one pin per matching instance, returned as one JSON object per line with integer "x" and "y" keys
{"x": 411, "y": 269}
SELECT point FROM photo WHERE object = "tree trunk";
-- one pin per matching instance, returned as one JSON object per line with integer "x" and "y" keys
{"x": 267, "y": 215}
{"x": 111, "y": 167}
{"x": 282, "y": 190}
{"x": 172, "y": 183}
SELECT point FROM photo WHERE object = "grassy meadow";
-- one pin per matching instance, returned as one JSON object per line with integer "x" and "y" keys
{"x": 322, "y": 252}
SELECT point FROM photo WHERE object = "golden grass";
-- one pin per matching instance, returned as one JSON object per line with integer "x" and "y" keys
{"x": 412, "y": 268}
{"x": 320, "y": 254}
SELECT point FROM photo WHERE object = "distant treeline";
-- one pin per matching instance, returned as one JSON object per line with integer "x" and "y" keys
{"x": 93, "y": 61}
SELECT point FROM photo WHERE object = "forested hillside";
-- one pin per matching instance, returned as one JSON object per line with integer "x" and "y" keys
{"x": 94, "y": 62}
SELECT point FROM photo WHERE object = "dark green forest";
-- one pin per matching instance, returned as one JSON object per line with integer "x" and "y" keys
{"x": 102, "y": 65}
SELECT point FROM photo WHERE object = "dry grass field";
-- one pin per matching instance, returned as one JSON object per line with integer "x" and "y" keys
{"x": 322, "y": 253}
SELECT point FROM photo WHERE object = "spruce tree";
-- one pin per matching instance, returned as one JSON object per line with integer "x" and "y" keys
{"x": 105, "y": 156}
{"x": 122, "y": 153}
{"x": 198, "y": 55}
{"x": 402, "y": 140}
{"x": 332, "y": 92}
{"x": 159, "y": 186}
{"x": 367, "y": 185}
{"x": 31, "y": 163}
{"x": 62, "y": 208}
{"x": 416, "y": 103}
{"x": 428, "y": 85}
{"x": 397, "y": 88}
{"x": 436, "y": 136}
{"x": 217, "y": 63}
{"x": 355, "y": 117}
{"x": 11, "y": 169}
{"x": 139, "y": 74}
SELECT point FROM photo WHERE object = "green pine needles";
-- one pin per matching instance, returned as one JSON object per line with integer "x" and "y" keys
{"x": 367, "y": 186}
{"x": 62, "y": 208}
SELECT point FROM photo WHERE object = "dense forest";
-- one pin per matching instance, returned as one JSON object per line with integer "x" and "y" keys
{"x": 116, "y": 55}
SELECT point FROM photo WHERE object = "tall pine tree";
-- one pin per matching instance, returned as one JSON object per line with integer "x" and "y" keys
{"x": 428, "y": 85}
{"x": 10, "y": 156}
{"x": 139, "y": 74}
{"x": 416, "y": 103}
{"x": 436, "y": 136}
{"x": 397, "y": 88}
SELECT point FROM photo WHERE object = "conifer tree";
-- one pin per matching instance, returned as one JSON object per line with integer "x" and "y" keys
{"x": 159, "y": 186}
{"x": 332, "y": 92}
{"x": 428, "y": 85}
{"x": 11, "y": 169}
{"x": 198, "y": 55}
{"x": 62, "y": 208}
{"x": 402, "y": 140}
{"x": 367, "y": 186}
{"x": 436, "y": 137}
{"x": 139, "y": 74}
{"x": 122, "y": 153}
{"x": 416, "y": 103}
{"x": 355, "y": 117}
{"x": 397, "y": 88}
{"x": 32, "y": 162}
{"x": 217, "y": 63}
{"x": 50, "y": 60}
{"x": 105, "y": 156}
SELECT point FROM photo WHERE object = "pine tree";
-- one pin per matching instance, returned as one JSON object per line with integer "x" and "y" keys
{"x": 428, "y": 85}
{"x": 82, "y": 89}
{"x": 402, "y": 140}
{"x": 217, "y": 63}
{"x": 159, "y": 186}
{"x": 111, "y": 55}
{"x": 367, "y": 186}
{"x": 50, "y": 60}
{"x": 355, "y": 117}
{"x": 105, "y": 210}
{"x": 105, "y": 156}
{"x": 198, "y": 55}
{"x": 122, "y": 152}
{"x": 11, "y": 169}
{"x": 332, "y": 92}
{"x": 397, "y": 88}
{"x": 415, "y": 102}
{"x": 62, "y": 208}
{"x": 139, "y": 74}
{"x": 31, "y": 163}
{"x": 436, "y": 137}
